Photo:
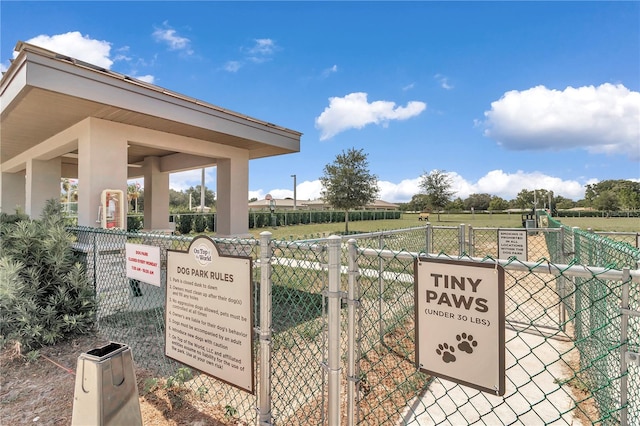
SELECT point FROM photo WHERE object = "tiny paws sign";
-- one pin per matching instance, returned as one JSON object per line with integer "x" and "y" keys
{"x": 460, "y": 322}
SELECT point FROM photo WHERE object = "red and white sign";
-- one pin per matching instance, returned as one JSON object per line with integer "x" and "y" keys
{"x": 143, "y": 263}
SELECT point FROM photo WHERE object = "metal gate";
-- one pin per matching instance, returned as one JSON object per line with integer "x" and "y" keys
{"x": 335, "y": 333}
{"x": 583, "y": 372}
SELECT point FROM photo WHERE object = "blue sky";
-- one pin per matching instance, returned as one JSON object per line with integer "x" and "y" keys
{"x": 504, "y": 96}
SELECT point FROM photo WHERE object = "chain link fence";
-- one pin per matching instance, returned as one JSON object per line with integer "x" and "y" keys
{"x": 335, "y": 333}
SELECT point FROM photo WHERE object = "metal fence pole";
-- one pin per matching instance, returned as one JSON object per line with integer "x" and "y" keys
{"x": 624, "y": 327}
{"x": 264, "y": 402}
{"x": 577, "y": 288}
{"x": 561, "y": 281}
{"x": 380, "y": 289}
{"x": 333, "y": 334}
{"x": 429, "y": 238}
{"x": 353, "y": 299}
{"x": 472, "y": 242}
{"x": 461, "y": 242}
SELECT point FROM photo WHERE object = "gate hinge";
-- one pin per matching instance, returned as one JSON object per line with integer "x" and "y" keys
{"x": 632, "y": 358}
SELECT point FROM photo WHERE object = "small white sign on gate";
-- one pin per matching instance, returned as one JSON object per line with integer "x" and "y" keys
{"x": 143, "y": 263}
{"x": 460, "y": 322}
{"x": 512, "y": 243}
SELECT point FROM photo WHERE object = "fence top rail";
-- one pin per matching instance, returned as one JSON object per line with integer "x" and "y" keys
{"x": 161, "y": 235}
{"x": 480, "y": 228}
{"x": 616, "y": 233}
{"x": 516, "y": 265}
{"x": 383, "y": 233}
{"x": 315, "y": 246}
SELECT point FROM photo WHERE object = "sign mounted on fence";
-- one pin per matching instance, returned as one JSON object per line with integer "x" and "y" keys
{"x": 512, "y": 243}
{"x": 209, "y": 320}
{"x": 143, "y": 263}
{"x": 460, "y": 322}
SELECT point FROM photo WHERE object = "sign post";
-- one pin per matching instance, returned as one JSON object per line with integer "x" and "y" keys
{"x": 460, "y": 322}
{"x": 209, "y": 320}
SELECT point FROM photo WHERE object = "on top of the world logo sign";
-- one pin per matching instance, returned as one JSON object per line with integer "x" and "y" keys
{"x": 202, "y": 254}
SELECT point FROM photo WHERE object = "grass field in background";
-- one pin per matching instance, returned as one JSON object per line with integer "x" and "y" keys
{"x": 409, "y": 220}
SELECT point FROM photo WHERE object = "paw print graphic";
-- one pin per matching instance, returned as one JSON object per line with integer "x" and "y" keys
{"x": 467, "y": 343}
{"x": 446, "y": 352}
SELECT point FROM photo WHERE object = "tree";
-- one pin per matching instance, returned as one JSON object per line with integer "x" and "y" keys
{"x": 629, "y": 199}
{"x": 178, "y": 201}
{"x": 563, "y": 203}
{"x": 437, "y": 186}
{"x": 209, "y": 197}
{"x": 477, "y": 202}
{"x": 456, "y": 205}
{"x": 69, "y": 192}
{"x": 498, "y": 204}
{"x": 347, "y": 183}
{"x": 418, "y": 203}
{"x": 133, "y": 195}
{"x": 606, "y": 201}
{"x": 627, "y": 193}
{"x": 524, "y": 199}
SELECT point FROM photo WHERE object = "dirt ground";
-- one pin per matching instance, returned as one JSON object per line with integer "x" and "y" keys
{"x": 41, "y": 391}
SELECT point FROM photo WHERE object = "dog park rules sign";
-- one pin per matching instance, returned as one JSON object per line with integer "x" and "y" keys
{"x": 208, "y": 322}
{"x": 460, "y": 322}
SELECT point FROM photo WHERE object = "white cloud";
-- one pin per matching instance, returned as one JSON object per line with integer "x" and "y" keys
{"x": 603, "y": 119}
{"x": 402, "y": 191}
{"x": 232, "y": 66}
{"x": 3, "y": 67}
{"x": 84, "y": 48}
{"x": 77, "y": 46}
{"x": 262, "y": 51}
{"x": 496, "y": 182}
{"x": 408, "y": 87}
{"x": 307, "y": 190}
{"x": 443, "y": 81}
{"x": 326, "y": 73}
{"x": 258, "y": 195}
{"x": 354, "y": 112}
{"x": 181, "y": 181}
{"x": 170, "y": 37}
{"x": 146, "y": 78}
{"x": 262, "y": 47}
{"x": 507, "y": 186}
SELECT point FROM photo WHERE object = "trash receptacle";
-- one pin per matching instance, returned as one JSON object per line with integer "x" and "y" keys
{"x": 531, "y": 225}
{"x": 106, "y": 392}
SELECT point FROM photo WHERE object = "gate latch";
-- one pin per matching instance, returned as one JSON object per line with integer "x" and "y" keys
{"x": 632, "y": 358}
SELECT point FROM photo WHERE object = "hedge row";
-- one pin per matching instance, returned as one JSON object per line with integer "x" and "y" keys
{"x": 188, "y": 222}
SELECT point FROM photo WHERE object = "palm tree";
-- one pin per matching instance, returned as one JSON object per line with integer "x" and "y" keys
{"x": 133, "y": 192}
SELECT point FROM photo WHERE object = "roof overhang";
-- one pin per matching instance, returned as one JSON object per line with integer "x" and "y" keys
{"x": 43, "y": 93}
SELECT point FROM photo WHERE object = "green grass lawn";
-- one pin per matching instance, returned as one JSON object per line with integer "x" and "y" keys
{"x": 408, "y": 220}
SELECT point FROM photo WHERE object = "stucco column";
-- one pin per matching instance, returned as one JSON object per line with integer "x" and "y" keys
{"x": 42, "y": 184}
{"x": 13, "y": 190}
{"x": 102, "y": 164}
{"x": 232, "y": 201}
{"x": 156, "y": 195}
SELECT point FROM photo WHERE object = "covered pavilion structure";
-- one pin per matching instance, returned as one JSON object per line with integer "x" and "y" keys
{"x": 65, "y": 118}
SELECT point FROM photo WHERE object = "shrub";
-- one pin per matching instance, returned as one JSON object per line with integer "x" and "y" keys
{"x": 199, "y": 224}
{"x": 134, "y": 223}
{"x": 184, "y": 223}
{"x": 45, "y": 295}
